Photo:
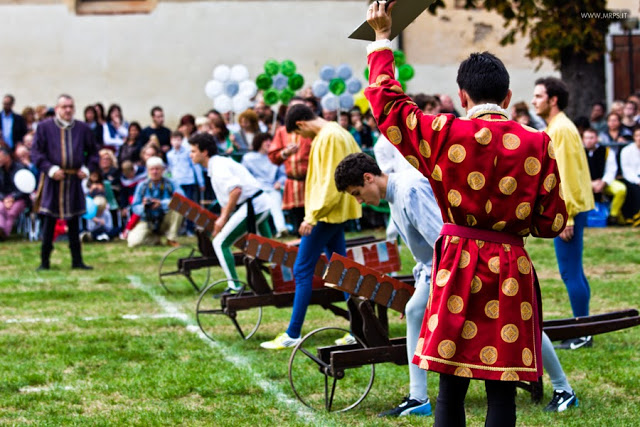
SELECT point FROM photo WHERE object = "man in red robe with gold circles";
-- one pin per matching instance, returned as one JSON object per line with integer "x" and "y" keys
{"x": 496, "y": 182}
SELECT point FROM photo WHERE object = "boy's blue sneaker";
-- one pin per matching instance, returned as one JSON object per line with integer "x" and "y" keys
{"x": 409, "y": 407}
{"x": 561, "y": 401}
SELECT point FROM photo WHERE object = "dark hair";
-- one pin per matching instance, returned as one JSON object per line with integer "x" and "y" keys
{"x": 135, "y": 124}
{"x": 601, "y": 104}
{"x": 582, "y": 122}
{"x": 187, "y": 119}
{"x": 99, "y": 111}
{"x": 422, "y": 100}
{"x": 218, "y": 122}
{"x": 635, "y": 128}
{"x": 156, "y": 108}
{"x": 92, "y": 109}
{"x": 205, "y": 142}
{"x": 11, "y": 97}
{"x": 590, "y": 129}
{"x": 250, "y": 116}
{"x": 177, "y": 134}
{"x": 5, "y": 149}
{"x": 555, "y": 87}
{"x": 484, "y": 77}
{"x": 258, "y": 140}
{"x": 350, "y": 171}
{"x": 113, "y": 107}
{"x": 297, "y": 113}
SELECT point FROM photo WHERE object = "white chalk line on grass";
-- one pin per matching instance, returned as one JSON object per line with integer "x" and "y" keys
{"x": 181, "y": 316}
{"x": 32, "y": 389}
{"x": 235, "y": 359}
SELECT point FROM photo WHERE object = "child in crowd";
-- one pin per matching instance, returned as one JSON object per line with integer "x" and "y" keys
{"x": 100, "y": 228}
{"x": 131, "y": 176}
{"x": 95, "y": 184}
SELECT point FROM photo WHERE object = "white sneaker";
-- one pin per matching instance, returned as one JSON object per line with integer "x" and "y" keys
{"x": 347, "y": 339}
{"x": 102, "y": 237}
{"x": 280, "y": 342}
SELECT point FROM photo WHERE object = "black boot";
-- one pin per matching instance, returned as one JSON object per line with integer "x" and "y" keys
{"x": 76, "y": 252}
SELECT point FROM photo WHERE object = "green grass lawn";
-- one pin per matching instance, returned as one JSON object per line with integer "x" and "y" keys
{"x": 111, "y": 347}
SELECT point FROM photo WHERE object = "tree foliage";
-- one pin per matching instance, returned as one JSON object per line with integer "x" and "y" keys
{"x": 556, "y": 28}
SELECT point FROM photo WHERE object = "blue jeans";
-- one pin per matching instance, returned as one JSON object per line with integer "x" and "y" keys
{"x": 324, "y": 237}
{"x": 569, "y": 256}
{"x": 191, "y": 191}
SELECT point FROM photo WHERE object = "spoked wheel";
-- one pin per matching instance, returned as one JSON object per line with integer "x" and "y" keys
{"x": 321, "y": 385}
{"x": 173, "y": 278}
{"x": 215, "y": 300}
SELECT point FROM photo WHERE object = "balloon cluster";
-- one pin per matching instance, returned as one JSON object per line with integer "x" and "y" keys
{"x": 404, "y": 71}
{"x": 231, "y": 89}
{"x": 279, "y": 81}
{"x": 336, "y": 87}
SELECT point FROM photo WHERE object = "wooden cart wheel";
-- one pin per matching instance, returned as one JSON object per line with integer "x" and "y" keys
{"x": 213, "y": 301}
{"x": 173, "y": 279}
{"x": 319, "y": 384}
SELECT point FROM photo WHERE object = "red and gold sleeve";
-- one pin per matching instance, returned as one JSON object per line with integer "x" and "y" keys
{"x": 550, "y": 212}
{"x": 418, "y": 136}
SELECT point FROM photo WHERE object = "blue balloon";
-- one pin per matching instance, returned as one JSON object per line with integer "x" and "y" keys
{"x": 354, "y": 85}
{"x": 327, "y": 73}
{"x": 346, "y": 101}
{"x": 330, "y": 102}
{"x": 344, "y": 71}
{"x": 231, "y": 88}
{"x": 320, "y": 88}
{"x": 280, "y": 81}
{"x": 92, "y": 209}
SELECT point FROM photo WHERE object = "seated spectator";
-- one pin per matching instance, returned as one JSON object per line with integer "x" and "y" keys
{"x": 617, "y": 107}
{"x": 109, "y": 170}
{"x": 630, "y": 168}
{"x": 91, "y": 118}
{"x": 446, "y": 105}
{"x": 249, "y": 127}
{"x": 130, "y": 150}
{"x": 225, "y": 141}
{"x": 95, "y": 184}
{"x": 115, "y": 130}
{"x": 183, "y": 172}
{"x": 29, "y": 116}
{"x": 629, "y": 116}
{"x": 131, "y": 176}
{"x": 603, "y": 168}
{"x": 598, "y": 120}
{"x": 158, "y": 129}
{"x": 100, "y": 228}
{"x": 344, "y": 119}
{"x": 427, "y": 103}
{"x": 151, "y": 203}
{"x": 366, "y": 136}
{"x": 23, "y": 156}
{"x": 270, "y": 177}
{"x": 187, "y": 126}
{"x": 12, "y": 200}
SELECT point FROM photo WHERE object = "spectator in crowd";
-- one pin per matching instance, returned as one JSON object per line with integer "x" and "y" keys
{"x": 27, "y": 140}
{"x": 550, "y": 98}
{"x": 183, "y": 172}
{"x": 158, "y": 129}
{"x": 63, "y": 149}
{"x": 326, "y": 210}
{"x": 630, "y": 168}
{"x": 12, "y": 125}
{"x": 91, "y": 119}
{"x": 130, "y": 150}
{"x": 151, "y": 204}
{"x": 202, "y": 125}
{"x": 270, "y": 176}
{"x": 225, "y": 141}
{"x": 115, "y": 129}
{"x": 617, "y": 107}
{"x": 244, "y": 207}
{"x": 615, "y": 133}
{"x": 371, "y": 122}
{"x": 344, "y": 120}
{"x": 265, "y": 115}
{"x": 598, "y": 119}
{"x": 29, "y": 116}
{"x": 100, "y": 228}
{"x": 329, "y": 115}
{"x": 109, "y": 170}
{"x": 363, "y": 129}
{"x": 150, "y": 149}
{"x": 41, "y": 111}
{"x": 427, "y": 103}
{"x": 629, "y": 114}
{"x": 101, "y": 117}
{"x": 131, "y": 175}
{"x": 446, "y": 105}
{"x": 95, "y": 184}
{"x": 187, "y": 126}
{"x": 12, "y": 200}
{"x": 292, "y": 151}
{"x": 603, "y": 168}
{"x": 249, "y": 127}
{"x": 23, "y": 156}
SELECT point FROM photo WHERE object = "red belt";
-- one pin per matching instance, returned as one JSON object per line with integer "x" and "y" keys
{"x": 479, "y": 234}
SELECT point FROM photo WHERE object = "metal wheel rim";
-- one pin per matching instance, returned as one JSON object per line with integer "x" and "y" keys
{"x": 164, "y": 259}
{"x": 300, "y": 344}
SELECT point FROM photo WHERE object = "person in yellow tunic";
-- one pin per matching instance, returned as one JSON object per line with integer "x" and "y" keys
{"x": 550, "y": 98}
{"x": 326, "y": 209}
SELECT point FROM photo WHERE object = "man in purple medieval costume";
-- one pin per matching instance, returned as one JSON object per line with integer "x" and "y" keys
{"x": 64, "y": 150}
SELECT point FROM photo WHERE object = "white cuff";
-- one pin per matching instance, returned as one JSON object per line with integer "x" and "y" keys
{"x": 378, "y": 45}
{"x": 85, "y": 170}
{"x": 53, "y": 170}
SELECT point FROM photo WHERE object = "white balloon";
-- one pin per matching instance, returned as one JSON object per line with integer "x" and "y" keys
{"x": 25, "y": 181}
{"x": 239, "y": 73}
{"x": 213, "y": 88}
{"x": 330, "y": 102}
{"x": 248, "y": 88}
{"x": 222, "y": 103}
{"x": 221, "y": 73}
{"x": 240, "y": 104}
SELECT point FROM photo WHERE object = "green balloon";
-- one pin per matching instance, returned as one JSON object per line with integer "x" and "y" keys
{"x": 263, "y": 82}
{"x": 366, "y": 74}
{"x": 286, "y": 95}
{"x": 400, "y": 58}
{"x": 288, "y": 68}
{"x": 337, "y": 86}
{"x": 406, "y": 72}
{"x": 404, "y": 87}
{"x": 271, "y": 67}
{"x": 296, "y": 82}
{"x": 271, "y": 96}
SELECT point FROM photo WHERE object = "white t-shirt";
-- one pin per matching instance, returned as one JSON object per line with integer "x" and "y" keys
{"x": 227, "y": 174}
{"x": 630, "y": 163}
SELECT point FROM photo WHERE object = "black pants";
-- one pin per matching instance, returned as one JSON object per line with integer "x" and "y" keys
{"x": 501, "y": 402}
{"x": 48, "y": 227}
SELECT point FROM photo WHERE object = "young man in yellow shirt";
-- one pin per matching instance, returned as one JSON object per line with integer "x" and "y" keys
{"x": 326, "y": 209}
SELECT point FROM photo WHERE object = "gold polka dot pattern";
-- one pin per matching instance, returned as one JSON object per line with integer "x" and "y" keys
{"x": 388, "y": 107}
{"x": 465, "y": 259}
{"x": 455, "y": 198}
{"x": 510, "y": 287}
{"x": 494, "y": 264}
{"x": 523, "y": 210}
{"x": 447, "y": 349}
{"x": 558, "y": 222}
{"x": 550, "y": 182}
{"x": 394, "y": 135}
{"x": 425, "y": 148}
{"x": 455, "y": 304}
{"x": 526, "y": 310}
{"x": 492, "y": 309}
{"x": 438, "y": 123}
{"x": 412, "y": 121}
{"x": 476, "y": 285}
{"x": 524, "y": 266}
{"x": 488, "y": 206}
{"x": 457, "y": 153}
{"x": 469, "y": 330}
{"x": 508, "y": 185}
{"x": 396, "y": 89}
{"x": 532, "y": 166}
{"x": 424, "y": 364}
{"x": 489, "y": 355}
{"x": 476, "y": 180}
{"x": 527, "y": 357}
{"x": 509, "y": 333}
{"x": 463, "y": 372}
{"x": 413, "y": 161}
{"x": 433, "y": 322}
{"x": 499, "y": 226}
{"x": 480, "y": 243}
{"x": 510, "y": 141}
{"x": 437, "y": 173}
{"x": 471, "y": 220}
{"x": 483, "y": 136}
{"x": 442, "y": 278}
{"x": 551, "y": 150}
{"x": 509, "y": 376}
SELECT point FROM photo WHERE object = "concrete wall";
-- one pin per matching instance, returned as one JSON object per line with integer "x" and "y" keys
{"x": 166, "y": 57}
